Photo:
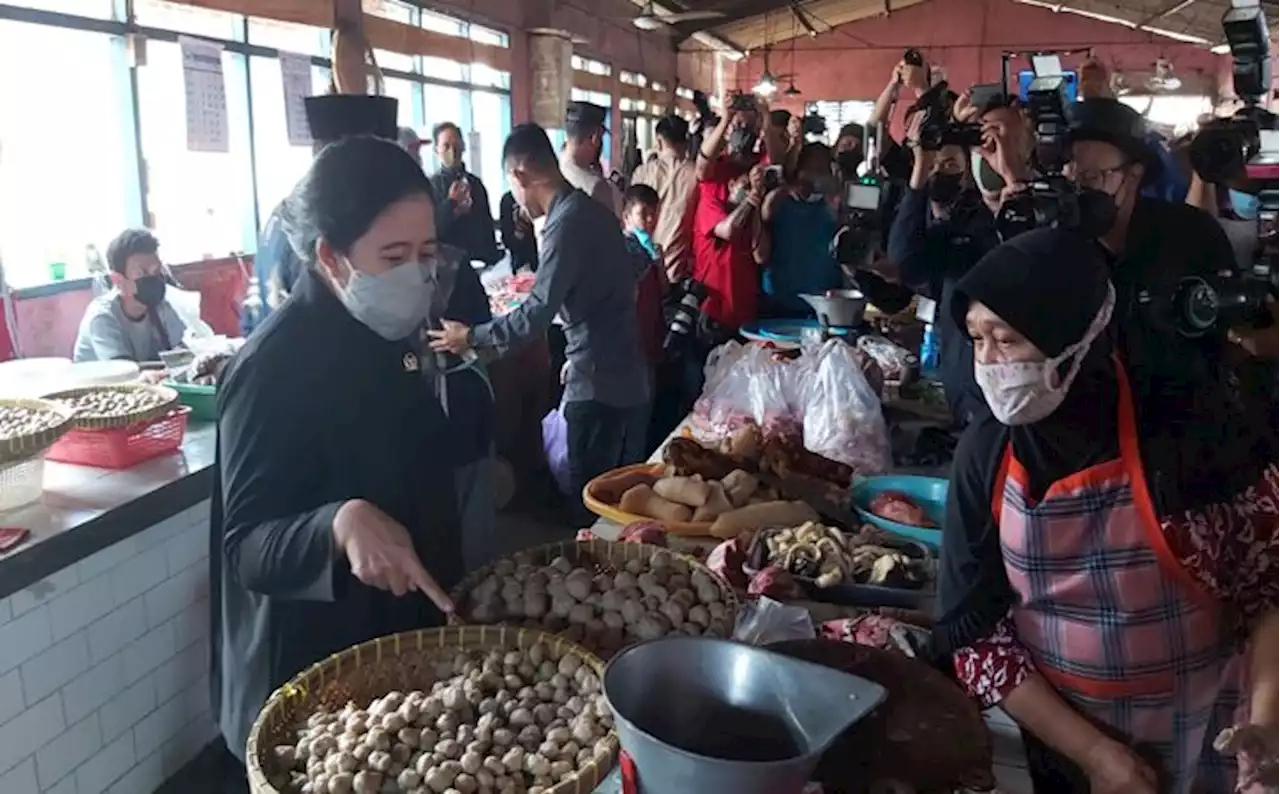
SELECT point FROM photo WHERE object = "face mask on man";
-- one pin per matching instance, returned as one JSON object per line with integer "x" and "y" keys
{"x": 393, "y": 304}
{"x": 1024, "y": 392}
{"x": 848, "y": 161}
{"x": 742, "y": 140}
{"x": 149, "y": 290}
{"x": 945, "y": 188}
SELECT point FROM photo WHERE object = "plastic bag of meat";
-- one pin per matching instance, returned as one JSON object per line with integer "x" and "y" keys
{"x": 650, "y": 532}
{"x": 897, "y": 506}
{"x": 728, "y": 558}
{"x": 745, "y": 385}
{"x": 842, "y": 418}
{"x": 776, "y": 582}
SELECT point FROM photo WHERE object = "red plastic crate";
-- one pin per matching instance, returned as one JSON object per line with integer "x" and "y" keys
{"x": 122, "y": 447}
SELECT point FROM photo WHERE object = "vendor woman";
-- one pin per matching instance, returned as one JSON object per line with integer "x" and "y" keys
{"x": 334, "y": 517}
{"x": 1108, "y": 599}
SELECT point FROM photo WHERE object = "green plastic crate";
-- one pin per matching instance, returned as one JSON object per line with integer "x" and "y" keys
{"x": 202, "y": 400}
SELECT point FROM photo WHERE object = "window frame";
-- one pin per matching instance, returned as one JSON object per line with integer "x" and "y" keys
{"x": 240, "y": 43}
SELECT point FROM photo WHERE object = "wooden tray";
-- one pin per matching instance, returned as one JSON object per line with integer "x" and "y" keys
{"x": 400, "y": 661}
{"x": 19, "y": 448}
{"x": 169, "y": 399}
{"x": 601, "y": 496}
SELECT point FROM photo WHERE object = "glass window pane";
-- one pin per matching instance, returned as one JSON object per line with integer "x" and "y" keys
{"x": 289, "y": 37}
{"x": 390, "y": 9}
{"x": 406, "y": 93}
{"x": 484, "y": 75}
{"x": 184, "y": 18}
{"x": 491, "y": 116}
{"x": 395, "y": 61}
{"x": 279, "y": 164}
{"x": 201, "y": 202}
{"x": 98, "y": 9}
{"x": 577, "y": 62}
{"x": 48, "y": 213}
{"x": 443, "y": 24}
{"x": 443, "y": 69}
{"x": 483, "y": 35}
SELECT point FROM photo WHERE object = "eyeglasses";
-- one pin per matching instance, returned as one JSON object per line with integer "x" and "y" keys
{"x": 1096, "y": 177}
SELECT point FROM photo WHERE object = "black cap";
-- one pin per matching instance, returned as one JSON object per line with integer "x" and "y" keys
{"x": 586, "y": 115}
{"x": 1112, "y": 121}
{"x": 336, "y": 116}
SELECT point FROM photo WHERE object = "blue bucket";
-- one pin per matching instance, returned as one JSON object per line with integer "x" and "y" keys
{"x": 928, "y": 492}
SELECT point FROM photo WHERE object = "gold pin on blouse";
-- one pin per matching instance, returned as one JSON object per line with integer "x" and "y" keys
{"x": 410, "y": 362}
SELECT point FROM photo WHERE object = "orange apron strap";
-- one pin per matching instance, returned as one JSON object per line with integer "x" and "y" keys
{"x": 1132, "y": 457}
{"x": 1002, "y": 474}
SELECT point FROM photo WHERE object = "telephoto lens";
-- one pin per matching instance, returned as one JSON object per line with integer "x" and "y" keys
{"x": 687, "y": 314}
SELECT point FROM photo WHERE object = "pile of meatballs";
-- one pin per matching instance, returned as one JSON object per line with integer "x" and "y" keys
{"x": 604, "y": 610}
{"x": 496, "y": 722}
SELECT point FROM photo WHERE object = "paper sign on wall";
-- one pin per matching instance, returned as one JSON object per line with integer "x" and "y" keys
{"x": 295, "y": 73}
{"x": 206, "y": 96}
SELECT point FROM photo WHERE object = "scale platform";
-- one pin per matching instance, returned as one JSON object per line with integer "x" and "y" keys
{"x": 789, "y": 333}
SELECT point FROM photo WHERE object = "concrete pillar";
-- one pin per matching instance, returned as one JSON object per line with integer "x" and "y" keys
{"x": 550, "y": 53}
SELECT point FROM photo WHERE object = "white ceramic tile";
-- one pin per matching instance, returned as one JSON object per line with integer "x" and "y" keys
{"x": 60, "y": 757}
{"x": 123, "y": 711}
{"x": 11, "y": 701}
{"x": 43, "y": 591}
{"x": 187, "y": 548}
{"x": 6, "y": 611}
{"x": 158, "y": 534}
{"x": 66, "y": 786}
{"x": 138, "y": 574}
{"x": 104, "y": 560}
{"x": 189, "y": 741}
{"x": 195, "y": 698}
{"x": 87, "y": 692}
{"x": 80, "y": 606}
{"x": 176, "y": 593}
{"x": 105, "y": 768}
{"x": 46, "y": 672}
{"x": 29, "y": 731}
{"x": 177, "y": 673}
{"x": 121, "y": 626}
{"x": 24, "y": 637}
{"x": 21, "y": 779}
{"x": 148, "y": 652}
{"x": 159, "y": 726}
{"x": 191, "y": 624}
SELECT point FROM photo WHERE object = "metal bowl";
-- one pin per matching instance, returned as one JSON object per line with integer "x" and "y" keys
{"x": 840, "y": 308}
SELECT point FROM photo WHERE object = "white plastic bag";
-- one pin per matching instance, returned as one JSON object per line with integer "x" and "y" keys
{"x": 186, "y": 304}
{"x": 766, "y": 621}
{"x": 842, "y": 418}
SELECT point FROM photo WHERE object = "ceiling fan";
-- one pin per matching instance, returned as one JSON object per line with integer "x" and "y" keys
{"x": 1163, "y": 77}
{"x": 651, "y": 19}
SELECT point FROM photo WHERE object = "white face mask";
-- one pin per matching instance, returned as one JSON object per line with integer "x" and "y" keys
{"x": 1022, "y": 393}
{"x": 393, "y": 304}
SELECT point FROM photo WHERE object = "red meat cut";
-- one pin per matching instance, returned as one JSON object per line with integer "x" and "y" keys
{"x": 897, "y": 506}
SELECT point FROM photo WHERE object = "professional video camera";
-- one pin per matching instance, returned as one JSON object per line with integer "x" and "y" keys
{"x": 862, "y": 220}
{"x": 1238, "y": 152}
{"x": 1051, "y": 200}
{"x": 938, "y": 128}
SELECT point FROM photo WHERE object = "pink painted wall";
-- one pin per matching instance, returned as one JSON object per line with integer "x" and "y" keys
{"x": 966, "y": 37}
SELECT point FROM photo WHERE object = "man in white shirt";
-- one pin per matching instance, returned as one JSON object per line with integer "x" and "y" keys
{"x": 584, "y": 127}
{"x": 673, "y": 175}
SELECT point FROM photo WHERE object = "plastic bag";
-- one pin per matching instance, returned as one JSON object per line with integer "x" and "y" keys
{"x": 555, "y": 444}
{"x": 842, "y": 418}
{"x": 895, "y": 362}
{"x": 766, "y": 621}
{"x": 744, "y": 385}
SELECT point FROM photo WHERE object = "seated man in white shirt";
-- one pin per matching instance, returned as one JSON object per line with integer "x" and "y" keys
{"x": 133, "y": 321}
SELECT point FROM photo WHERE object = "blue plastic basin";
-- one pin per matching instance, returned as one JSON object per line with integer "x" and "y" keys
{"x": 928, "y": 492}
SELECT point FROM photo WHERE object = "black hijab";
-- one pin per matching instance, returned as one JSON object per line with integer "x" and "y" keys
{"x": 1050, "y": 285}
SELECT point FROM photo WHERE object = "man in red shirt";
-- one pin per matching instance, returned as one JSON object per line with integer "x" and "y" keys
{"x": 728, "y": 239}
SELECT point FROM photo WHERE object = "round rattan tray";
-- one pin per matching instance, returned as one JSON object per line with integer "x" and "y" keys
{"x": 168, "y": 399}
{"x": 400, "y": 661}
{"x": 601, "y": 555}
{"x": 20, "y": 448}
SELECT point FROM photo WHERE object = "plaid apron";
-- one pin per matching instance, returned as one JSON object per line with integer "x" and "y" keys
{"x": 1113, "y": 621}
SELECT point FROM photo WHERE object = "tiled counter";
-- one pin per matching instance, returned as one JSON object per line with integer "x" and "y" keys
{"x": 104, "y": 628}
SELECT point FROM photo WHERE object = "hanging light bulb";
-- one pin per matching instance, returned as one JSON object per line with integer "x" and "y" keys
{"x": 767, "y": 85}
{"x": 792, "y": 90}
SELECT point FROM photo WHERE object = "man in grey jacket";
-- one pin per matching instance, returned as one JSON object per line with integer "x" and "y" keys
{"x": 584, "y": 274}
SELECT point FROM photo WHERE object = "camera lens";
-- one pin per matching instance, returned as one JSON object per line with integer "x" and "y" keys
{"x": 1197, "y": 306}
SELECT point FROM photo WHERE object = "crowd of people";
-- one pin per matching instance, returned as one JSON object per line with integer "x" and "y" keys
{"x": 1110, "y": 549}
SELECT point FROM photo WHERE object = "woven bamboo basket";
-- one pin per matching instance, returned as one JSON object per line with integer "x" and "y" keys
{"x": 602, "y": 556}
{"x": 20, "y": 448}
{"x": 400, "y": 661}
{"x": 168, "y": 399}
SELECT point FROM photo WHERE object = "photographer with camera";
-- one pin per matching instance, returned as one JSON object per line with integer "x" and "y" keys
{"x": 940, "y": 230}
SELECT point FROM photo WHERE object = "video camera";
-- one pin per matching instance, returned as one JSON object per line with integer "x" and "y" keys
{"x": 862, "y": 221}
{"x": 1238, "y": 152}
{"x": 1051, "y": 200}
{"x": 937, "y": 127}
